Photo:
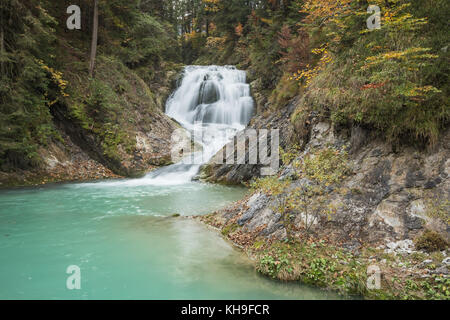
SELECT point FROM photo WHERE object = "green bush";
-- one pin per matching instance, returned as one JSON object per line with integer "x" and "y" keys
{"x": 27, "y": 90}
{"x": 393, "y": 79}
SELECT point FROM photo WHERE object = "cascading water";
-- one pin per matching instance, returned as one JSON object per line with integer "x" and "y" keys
{"x": 118, "y": 233}
{"x": 213, "y": 103}
{"x": 212, "y": 95}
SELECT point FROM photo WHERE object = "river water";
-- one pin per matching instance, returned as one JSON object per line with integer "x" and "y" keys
{"x": 126, "y": 244}
{"x": 121, "y": 234}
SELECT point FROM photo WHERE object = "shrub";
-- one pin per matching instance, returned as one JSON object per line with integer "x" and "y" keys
{"x": 393, "y": 79}
{"x": 431, "y": 241}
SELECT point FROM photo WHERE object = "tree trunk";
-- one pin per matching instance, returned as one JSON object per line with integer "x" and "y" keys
{"x": 2, "y": 49}
{"x": 94, "y": 40}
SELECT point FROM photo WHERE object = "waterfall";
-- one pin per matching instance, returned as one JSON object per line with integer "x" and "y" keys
{"x": 212, "y": 103}
{"x": 212, "y": 95}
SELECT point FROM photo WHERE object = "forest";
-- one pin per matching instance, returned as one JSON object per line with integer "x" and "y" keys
{"x": 392, "y": 79}
{"x": 91, "y": 92}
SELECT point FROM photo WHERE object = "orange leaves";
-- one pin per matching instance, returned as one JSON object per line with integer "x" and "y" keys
{"x": 190, "y": 35}
{"x": 216, "y": 43}
{"x": 310, "y": 73}
{"x": 295, "y": 49}
{"x": 267, "y": 21}
{"x": 373, "y": 85}
{"x": 239, "y": 29}
{"x": 322, "y": 10}
{"x": 273, "y": 3}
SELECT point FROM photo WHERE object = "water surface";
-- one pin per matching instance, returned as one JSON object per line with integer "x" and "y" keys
{"x": 127, "y": 245}
{"x": 121, "y": 233}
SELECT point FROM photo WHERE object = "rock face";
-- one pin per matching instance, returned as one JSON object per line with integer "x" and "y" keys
{"x": 63, "y": 161}
{"x": 235, "y": 174}
{"x": 80, "y": 155}
{"x": 69, "y": 161}
{"x": 153, "y": 143}
{"x": 152, "y": 133}
{"x": 391, "y": 195}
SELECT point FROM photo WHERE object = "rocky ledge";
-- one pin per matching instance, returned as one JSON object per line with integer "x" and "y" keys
{"x": 388, "y": 195}
{"x": 390, "y": 208}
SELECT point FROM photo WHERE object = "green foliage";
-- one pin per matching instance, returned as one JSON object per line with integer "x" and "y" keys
{"x": 309, "y": 199}
{"x": 283, "y": 92}
{"x": 439, "y": 209}
{"x": 104, "y": 109}
{"x": 230, "y": 229}
{"x": 288, "y": 156}
{"x": 243, "y": 34}
{"x": 318, "y": 268}
{"x": 393, "y": 79}
{"x": 323, "y": 264}
{"x": 325, "y": 166}
{"x": 44, "y": 73}
{"x": 148, "y": 42}
{"x": 26, "y": 88}
{"x": 273, "y": 265}
{"x": 313, "y": 263}
{"x": 270, "y": 185}
{"x": 264, "y": 51}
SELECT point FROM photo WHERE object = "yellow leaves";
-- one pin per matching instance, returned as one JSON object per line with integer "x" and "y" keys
{"x": 318, "y": 51}
{"x": 409, "y": 55}
{"x": 289, "y": 155}
{"x": 215, "y": 42}
{"x": 57, "y": 79}
{"x": 191, "y": 35}
{"x": 211, "y": 5}
{"x": 322, "y": 10}
{"x": 327, "y": 166}
{"x": 306, "y": 75}
{"x": 309, "y": 73}
{"x": 419, "y": 92}
{"x": 270, "y": 185}
{"x": 268, "y": 21}
{"x": 212, "y": 27}
{"x": 388, "y": 16}
{"x": 118, "y": 23}
{"x": 407, "y": 64}
{"x": 395, "y": 18}
{"x": 239, "y": 29}
{"x": 388, "y": 55}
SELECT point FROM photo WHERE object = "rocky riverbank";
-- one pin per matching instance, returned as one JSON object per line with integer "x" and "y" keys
{"x": 348, "y": 200}
{"x": 351, "y": 269}
{"x": 64, "y": 160}
{"x": 83, "y": 148}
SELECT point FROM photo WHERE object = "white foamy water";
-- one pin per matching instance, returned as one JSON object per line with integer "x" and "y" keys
{"x": 212, "y": 103}
{"x": 212, "y": 95}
